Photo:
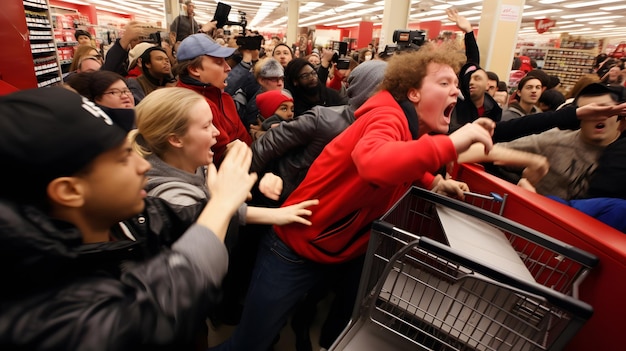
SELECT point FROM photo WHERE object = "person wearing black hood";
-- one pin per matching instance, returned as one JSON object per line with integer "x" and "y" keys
{"x": 475, "y": 101}
{"x": 307, "y": 90}
{"x": 156, "y": 73}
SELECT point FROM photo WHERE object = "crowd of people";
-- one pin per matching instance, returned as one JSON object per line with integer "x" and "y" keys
{"x": 166, "y": 185}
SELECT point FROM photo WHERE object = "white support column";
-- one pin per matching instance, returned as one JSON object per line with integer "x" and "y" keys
{"x": 293, "y": 13}
{"x": 395, "y": 16}
{"x": 172, "y": 10}
{"x": 497, "y": 34}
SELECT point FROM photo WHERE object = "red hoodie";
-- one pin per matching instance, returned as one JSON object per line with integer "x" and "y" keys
{"x": 225, "y": 118}
{"x": 358, "y": 177}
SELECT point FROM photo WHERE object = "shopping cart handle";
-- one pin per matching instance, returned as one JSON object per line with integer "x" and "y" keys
{"x": 497, "y": 197}
{"x": 492, "y": 196}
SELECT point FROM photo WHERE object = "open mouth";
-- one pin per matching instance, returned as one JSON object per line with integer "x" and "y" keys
{"x": 600, "y": 126}
{"x": 448, "y": 111}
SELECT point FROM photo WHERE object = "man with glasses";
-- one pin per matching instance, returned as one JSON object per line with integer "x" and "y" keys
{"x": 307, "y": 90}
{"x": 267, "y": 75}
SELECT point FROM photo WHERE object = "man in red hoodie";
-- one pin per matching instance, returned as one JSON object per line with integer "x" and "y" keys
{"x": 202, "y": 67}
{"x": 357, "y": 178}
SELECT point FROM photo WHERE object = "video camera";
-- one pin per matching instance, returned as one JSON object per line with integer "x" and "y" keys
{"x": 339, "y": 57}
{"x": 405, "y": 40}
{"x": 244, "y": 42}
{"x": 152, "y": 38}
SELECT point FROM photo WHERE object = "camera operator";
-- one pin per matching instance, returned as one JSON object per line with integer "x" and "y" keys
{"x": 241, "y": 76}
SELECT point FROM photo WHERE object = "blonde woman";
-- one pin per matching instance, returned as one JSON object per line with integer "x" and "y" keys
{"x": 175, "y": 133}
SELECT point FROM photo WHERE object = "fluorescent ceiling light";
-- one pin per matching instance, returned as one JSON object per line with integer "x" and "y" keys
{"x": 480, "y": 8}
{"x": 348, "y": 7}
{"x": 596, "y": 18}
{"x": 427, "y": 13}
{"x": 467, "y": 13}
{"x": 109, "y": 10}
{"x": 358, "y": 13}
{"x": 311, "y": 5}
{"x": 463, "y": 2}
{"x": 571, "y": 25}
{"x": 588, "y": 3}
{"x": 613, "y": 8}
{"x": 436, "y": 18}
{"x": 540, "y": 12}
{"x": 589, "y": 14}
{"x": 601, "y": 22}
{"x": 77, "y": 2}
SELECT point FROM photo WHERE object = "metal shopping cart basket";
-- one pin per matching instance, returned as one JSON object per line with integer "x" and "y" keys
{"x": 417, "y": 291}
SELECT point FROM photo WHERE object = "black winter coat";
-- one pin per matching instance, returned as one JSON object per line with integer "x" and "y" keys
{"x": 290, "y": 149}
{"x": 61, "y": 294}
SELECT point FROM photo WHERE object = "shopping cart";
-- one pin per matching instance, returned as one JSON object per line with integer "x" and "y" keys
{"x": 418, "y": 292}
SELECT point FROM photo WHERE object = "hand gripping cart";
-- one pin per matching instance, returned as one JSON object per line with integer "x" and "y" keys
{"x": 442, "y": 274}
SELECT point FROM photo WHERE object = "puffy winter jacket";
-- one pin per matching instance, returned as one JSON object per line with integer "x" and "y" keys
{"x": 296, "y": 144}
{"x": 149, "y": 292}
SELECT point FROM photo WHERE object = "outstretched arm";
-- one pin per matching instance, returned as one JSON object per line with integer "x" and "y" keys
{"x": 535, "y": 166}
{"x": 281, "y": 216}
{"x": 471, "y": 47}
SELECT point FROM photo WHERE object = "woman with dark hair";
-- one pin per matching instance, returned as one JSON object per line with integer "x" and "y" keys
{"x": 307, "y": 90}
{"x": 105, "y": 88}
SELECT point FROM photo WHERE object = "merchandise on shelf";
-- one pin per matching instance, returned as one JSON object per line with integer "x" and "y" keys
{"x": 569, "y": 64}
{"x": 47, "y": 68}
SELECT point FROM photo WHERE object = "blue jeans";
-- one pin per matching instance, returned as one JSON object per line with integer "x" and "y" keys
{"x": 279, "y": 280}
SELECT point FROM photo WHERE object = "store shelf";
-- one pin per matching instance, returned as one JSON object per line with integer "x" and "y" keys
{"x": 36, "y": 4}
{"x": 61, "y": 44}
{"x": 533, "y": 52}
{"x": 568, "y": 64}
{"x": 46, "y": 65}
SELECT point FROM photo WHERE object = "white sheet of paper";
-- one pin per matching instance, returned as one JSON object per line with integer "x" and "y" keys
{"x": 484, "y": 243}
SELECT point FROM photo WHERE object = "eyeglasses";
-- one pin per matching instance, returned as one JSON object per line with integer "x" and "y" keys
{"x": 309, "y": 75}
{"x": 275, "y": 79}
{"x": 118, "y": 92}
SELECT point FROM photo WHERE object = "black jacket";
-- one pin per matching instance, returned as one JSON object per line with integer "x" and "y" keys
{"x": 290, "y": 148}
{"x": 564, "y": 118}
{"x": 116, "y": 59}
{"x": 466, "y": 112}
{"x": 303, "y": 103}
{"x": 608, "y": 179}
{"x": 61, "y": 294}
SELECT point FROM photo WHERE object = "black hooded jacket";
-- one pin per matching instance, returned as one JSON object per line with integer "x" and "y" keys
{"x": 152, "y": 292}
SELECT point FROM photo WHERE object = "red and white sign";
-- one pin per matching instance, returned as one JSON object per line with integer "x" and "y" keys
{"x": 544, "y": 24}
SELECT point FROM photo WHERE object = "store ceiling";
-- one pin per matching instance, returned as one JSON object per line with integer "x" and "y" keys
{"x": 585, "y": 18}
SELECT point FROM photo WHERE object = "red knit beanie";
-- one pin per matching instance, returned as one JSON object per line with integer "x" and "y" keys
{"x": 269, "y": 101}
